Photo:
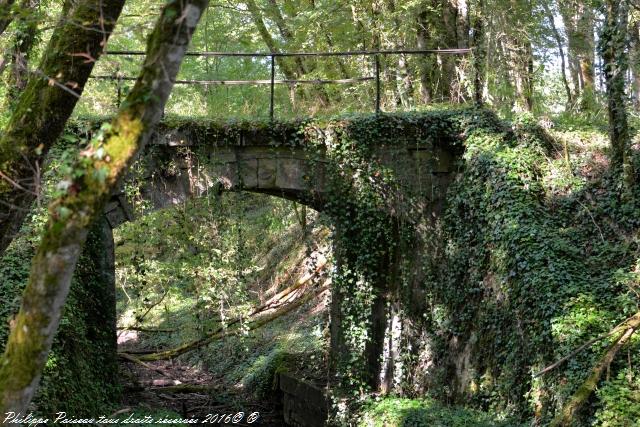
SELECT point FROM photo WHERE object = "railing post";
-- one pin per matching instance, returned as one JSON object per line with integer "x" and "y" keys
{"x": 377, "y": 62}
{"x": 119, "y": 83}
{"x": 273, "y": 77}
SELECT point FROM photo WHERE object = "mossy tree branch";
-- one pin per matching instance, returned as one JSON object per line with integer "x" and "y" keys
{"x": 6, "y": 14}
{"x": 573, "y": 406}
{"x": 98, "y": 170}
{"x": 43, "y": 108}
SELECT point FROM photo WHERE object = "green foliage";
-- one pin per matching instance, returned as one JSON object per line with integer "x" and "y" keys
{"x": 261, "y": 379}
{"x": 619, "y": 400}
{"x": 197, "y": 259}
{"x": 521, "y": 278}
{"x": 197, "y": 266}
{"x": 398, "y": 412}
{"x": 518, "y": 276}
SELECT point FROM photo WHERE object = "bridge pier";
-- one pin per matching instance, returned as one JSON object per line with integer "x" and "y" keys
{"x": 98, "y": 273}
{"x": 362, "y": 348}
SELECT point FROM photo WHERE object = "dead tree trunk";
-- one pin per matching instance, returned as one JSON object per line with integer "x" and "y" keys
{"x": 572, "y": 407}
{"x": 97, "y": 172}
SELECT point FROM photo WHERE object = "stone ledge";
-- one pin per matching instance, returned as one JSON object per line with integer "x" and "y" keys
{"x": 304, "y": 404}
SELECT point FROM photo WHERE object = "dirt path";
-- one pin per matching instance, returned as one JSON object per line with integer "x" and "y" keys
{"x": 191, "y": 393}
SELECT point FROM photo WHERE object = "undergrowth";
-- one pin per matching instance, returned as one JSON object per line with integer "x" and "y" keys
{"x": 539, "y": 242}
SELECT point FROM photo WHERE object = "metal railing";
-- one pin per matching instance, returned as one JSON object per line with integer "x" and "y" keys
{"x": 273, "y": 81}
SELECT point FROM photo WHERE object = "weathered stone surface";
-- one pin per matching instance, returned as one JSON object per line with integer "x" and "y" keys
{"x": 187, "y": 162}
{"x": 304, "y": 404}
{"x": 267, "y": 172}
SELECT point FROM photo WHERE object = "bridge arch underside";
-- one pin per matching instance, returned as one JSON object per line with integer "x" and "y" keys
{"x": 181, "y": 164}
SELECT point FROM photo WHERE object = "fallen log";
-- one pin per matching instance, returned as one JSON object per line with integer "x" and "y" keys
{"x": 221, "y": 332}
{"x": 134, "y": 359}
{"x": 273, "y": 302}
{"x": 615, "y": 329}
{"x": 148, "y": 330}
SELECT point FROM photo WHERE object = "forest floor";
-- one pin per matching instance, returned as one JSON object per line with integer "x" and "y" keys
{"x": 168, "y": 386}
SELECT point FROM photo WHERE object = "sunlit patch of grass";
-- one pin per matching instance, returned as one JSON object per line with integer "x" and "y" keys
{"x": 426, "y": 412}
{"x": 580, "y": 157}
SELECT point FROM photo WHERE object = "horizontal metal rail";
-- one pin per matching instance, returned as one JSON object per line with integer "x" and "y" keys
{"x": 286, "y": 54}
{"x": 245, "y": 82}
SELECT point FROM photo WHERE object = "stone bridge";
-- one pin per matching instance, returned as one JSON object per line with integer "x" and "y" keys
{"x": 304, "y": 161}
{"x": 289, "y": 160}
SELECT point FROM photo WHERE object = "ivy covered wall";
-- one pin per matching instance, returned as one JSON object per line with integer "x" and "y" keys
{"x": 535, "y": 255}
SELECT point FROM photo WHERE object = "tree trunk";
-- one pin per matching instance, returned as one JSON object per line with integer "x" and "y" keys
{"x": 290, "y": 71}
{"x": 560, "y": 43}
{"x": 519, "y": 51}
{"x": 404, "y": 84}
{"x": 342, "y": 67}
{"x": 586, "y": 57}
{"x": 447, "y": 89}
{"x": 615, "y": 66}
{"x": 47, "y": 102}
{"x": 479, "y": 56}
{"x": 301, "y": 66}
{"x": 573, "y": 406}
{"x": 579, "y": 21}
{"x": 635, "y": 63}
{"x": 286, "y": 34}
{"x": 387, "y": 77}
{"x": 268, "y": 39}
{"x": 521, "y": 64}
{"x": 6, "y": 14}
{"x": 223, "y": 332}
{"x": 98, "y": 171}
{"x": 25, "y": 40}
{"x": 426, "y": 66}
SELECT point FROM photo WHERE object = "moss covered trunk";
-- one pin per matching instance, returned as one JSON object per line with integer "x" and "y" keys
{"x": 26, "y": 39}
{"x": 46, "y": 104}
{"x": 614, "y": 54}
{"x": 6, "y": 14}
{"x": 86, "y": 337}
{"x": 578, "y": 400}
{"x": 97, "y": 173}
